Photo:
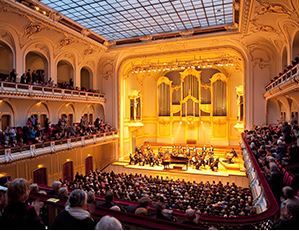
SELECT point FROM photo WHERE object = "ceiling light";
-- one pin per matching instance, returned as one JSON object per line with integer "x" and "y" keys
{"x": 36, "y": 8}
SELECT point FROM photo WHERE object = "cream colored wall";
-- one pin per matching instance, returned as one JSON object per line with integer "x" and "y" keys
{"x": 103, "y": 154}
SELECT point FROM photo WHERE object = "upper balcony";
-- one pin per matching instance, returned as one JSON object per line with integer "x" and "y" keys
{"x": 286, "y": 82}
{"x": 27, "y": 91}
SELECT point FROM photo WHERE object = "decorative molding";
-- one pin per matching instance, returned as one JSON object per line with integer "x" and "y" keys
{"x": 55, "y": 16}
{"x": 262, "y": 64}
{"x": 32, "y": 29}
{"x": 65, "y": 42}
{"x": 272, "y": 8}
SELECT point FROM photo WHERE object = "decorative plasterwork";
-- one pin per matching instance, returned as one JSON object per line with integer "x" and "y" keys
{"x": 32, "y": 28}
{"x": 272, "y": 8}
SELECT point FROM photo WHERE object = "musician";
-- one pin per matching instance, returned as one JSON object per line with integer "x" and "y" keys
{"x": 132, "y": 160}
{"x": 229, "y": 156}
{"x": 214, "y": 164}
{"x": 204, "y": 149}
{"x": 211, "y": 149}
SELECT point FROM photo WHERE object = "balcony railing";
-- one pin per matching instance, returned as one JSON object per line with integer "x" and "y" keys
{"x": 17, "y": 153}
{"x": 292, "y": 75}
{"x": 22, "y": 90}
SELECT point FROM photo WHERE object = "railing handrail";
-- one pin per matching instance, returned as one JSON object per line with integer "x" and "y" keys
{"x": 30, "y": 86}
{"x": 282, "y": 78}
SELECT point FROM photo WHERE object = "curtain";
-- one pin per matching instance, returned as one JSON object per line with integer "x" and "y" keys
{"x": 219, "y": 98}
{"x": 164, "y": 99}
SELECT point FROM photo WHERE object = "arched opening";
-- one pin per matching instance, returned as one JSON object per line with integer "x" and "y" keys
{"x": 40, "y": 176}
{"x": 6, "y": 115}
{"x": 88, "y": 114}
{"x": 68, "y": 171}
{"x": 86, "y": 78}
{"x": 295, "y": 48}
{"x": 284, "y": 58}
{"x": 88, "y": 164}
{"x": 41, "y": 113}
{"x": 65, "y": 73}
{"x": 5, "y": 121}
{"x": 68, "y": 112}
{"x": 6, "y": 64}
{"x": 37, "y": 66}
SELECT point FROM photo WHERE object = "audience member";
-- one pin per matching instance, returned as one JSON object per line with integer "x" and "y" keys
{"x": 74, "y": 216}
{"x": 109, "y": 223}
{"x": 17, "y": 214}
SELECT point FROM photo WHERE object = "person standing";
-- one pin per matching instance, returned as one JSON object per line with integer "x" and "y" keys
{"x": 13, "y": 75}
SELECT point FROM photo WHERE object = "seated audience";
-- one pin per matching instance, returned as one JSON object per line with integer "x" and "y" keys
{"x": 74, "y": 216}
{"x": 109, "y": 223}
{"x": 18, "y": 214}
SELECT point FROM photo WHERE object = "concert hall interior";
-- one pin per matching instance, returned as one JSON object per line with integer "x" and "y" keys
{"x": 176, "y": 114}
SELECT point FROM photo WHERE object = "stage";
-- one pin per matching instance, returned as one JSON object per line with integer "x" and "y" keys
{"x": 191, "y": 174}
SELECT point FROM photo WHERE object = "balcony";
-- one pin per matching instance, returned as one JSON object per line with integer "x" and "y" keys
{"x": 26, "y": 91}
{"x": 12, "y": 154}
{"x": 287, "y": 82}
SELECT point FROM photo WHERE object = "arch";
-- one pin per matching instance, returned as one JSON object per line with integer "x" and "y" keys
{"x": 7, "y": 60}
{"x": 86, "y": 78}
{"x": 6, "y": 110}
{"x": 65, "y": 71}
{"x": 295, "y": 46}
{"x": 41, "y": 111}
{"x": 100, "y": 111}
{"x": 40, "y": 176}
{"x": 88, "y": 164}
{"x": 10, "y": 37}
{"x": 89, "y": 111}
{"x": 68, "y": 110}
{"x": 68, "y": 171}
{"x": 284, "y": 58}
{"x": 36, "y": 61}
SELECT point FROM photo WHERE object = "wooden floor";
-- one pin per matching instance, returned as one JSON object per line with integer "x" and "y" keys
{"x": 223, "y": 174}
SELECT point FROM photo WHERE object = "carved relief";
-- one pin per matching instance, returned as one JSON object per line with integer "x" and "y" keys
{"x": 107, "y": 70}
{"x": 55, "y": 16}
{"x": 272, "y": 8}
{"x": 85, "y": 32}
{"x": 32, "y": 28}
{"x": 65, "y": 42}
{"x": 260, "y": 62}
{"x": 88, "y": 51}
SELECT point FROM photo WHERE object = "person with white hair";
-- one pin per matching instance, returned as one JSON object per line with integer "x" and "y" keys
{"x": 75, "y": 214}
{"x": 109, "y": 223}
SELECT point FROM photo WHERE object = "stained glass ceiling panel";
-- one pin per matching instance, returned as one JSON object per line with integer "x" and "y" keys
{"x": 123, "y": 19}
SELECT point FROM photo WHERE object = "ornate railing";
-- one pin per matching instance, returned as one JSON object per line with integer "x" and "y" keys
{"x": 17, "y": 153}
{"x": 26, "y": 90}
{"x": 292, "y": 75}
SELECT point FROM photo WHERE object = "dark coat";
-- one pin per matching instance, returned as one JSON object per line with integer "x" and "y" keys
{"x": 66, "y": 221}
{"x": 20, "y": 216}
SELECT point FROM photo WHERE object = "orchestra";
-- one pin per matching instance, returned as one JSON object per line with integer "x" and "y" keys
{"x": 193, "y": 156}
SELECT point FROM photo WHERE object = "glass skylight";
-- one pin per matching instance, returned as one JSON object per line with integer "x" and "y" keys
{"x": 123, "y": 19}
